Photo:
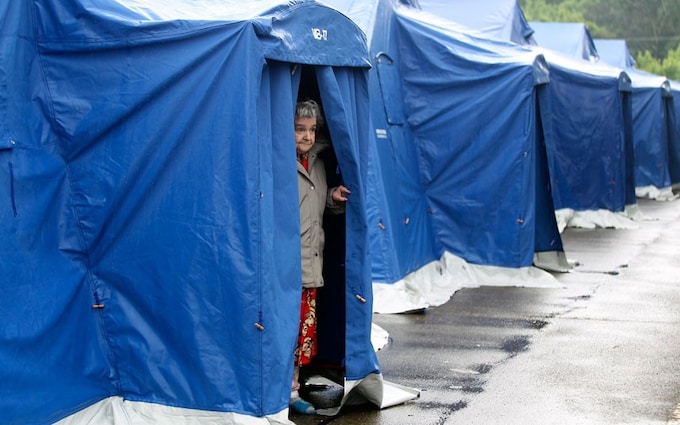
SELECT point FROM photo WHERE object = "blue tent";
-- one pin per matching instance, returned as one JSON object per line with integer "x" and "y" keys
{"x": 589, "y": 137}
{"x": 571, "y": 38}
{"x": 497, "y": 19}
{"x": 674, "y": 136}
{"x": 651, "y": 104}
{"x": 591, "y": 141}
{"x": 653, "y": 123}
{"x": 461, "y": 164}
{"x": 614, "y": 52}
{"x": 588, "y": 128}
{"x": 150, "y": 227}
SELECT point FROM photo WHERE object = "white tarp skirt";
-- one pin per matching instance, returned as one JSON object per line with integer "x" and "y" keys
{"x": 117, "y": 411}
{"x": 435, "y": 283}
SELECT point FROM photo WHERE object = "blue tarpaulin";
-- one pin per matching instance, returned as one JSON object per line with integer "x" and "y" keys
{"x": 591, "y": 140}
{"x": 654, "y": 126}
{"x": 479, "y": 174}
{"x": 651, "y": 99}
{"x": 460, "y": 161}
{"x": 614, "y": 52}
{"x": 496, "y": 19}
{"x": 589, "y": 135}
{"x": 570, "y": 38}
{"x": 674, "y": 139}
{"x": 149, "y": 223}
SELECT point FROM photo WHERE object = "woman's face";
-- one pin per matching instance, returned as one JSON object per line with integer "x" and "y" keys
{"x": 305, "y": 134}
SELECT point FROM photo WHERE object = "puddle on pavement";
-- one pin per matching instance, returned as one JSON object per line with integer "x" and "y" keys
{"x": 515, "y": 344}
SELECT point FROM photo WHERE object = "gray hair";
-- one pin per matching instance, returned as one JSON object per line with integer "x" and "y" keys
{"x": 309, "y": 109}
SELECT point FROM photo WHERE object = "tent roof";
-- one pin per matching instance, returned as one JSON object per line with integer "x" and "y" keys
{"x": 675, "y": 86}
{"x": 614, "y": 52}
{"x": 593, "y": 69}
{"x": 476, "y": 45}
{"x": 495, "y": 19}
{"x": 643, "y": 79}
{"x": 299, "y": 31}
{"x": 572, "y": 38}
{"x": 499, "y": 19}
{"x": 362, "y": 12}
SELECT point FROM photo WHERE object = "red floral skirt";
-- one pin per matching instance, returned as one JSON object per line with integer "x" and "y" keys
{"x": 307, "y": 344}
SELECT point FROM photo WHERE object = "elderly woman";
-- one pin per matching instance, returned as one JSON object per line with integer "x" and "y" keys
{"x": 315, "y": 197}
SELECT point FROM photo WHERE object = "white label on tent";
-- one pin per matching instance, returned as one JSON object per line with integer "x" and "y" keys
{"x": 320, "y": 34}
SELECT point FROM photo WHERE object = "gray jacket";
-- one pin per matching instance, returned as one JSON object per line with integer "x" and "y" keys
{"x": 314, "y": 198}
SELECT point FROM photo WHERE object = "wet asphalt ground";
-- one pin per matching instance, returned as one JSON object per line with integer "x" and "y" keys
{"x": 604, "y": 348}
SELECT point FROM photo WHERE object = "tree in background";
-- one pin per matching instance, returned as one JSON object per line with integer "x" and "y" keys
{"x": 563, "y": 11}
{"x": 649, "y": 27}
{"x": 668, "y": 67}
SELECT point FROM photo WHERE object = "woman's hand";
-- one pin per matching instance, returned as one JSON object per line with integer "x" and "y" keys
{"x": 339, "y": 194}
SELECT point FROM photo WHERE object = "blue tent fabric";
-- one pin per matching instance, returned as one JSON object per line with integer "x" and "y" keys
{"x": 450, "y": 168}
{"x": 43, "y": 274}
{"x": 151, "y": 234}
{"x": 473, "y": 195}
{"x": 433, "y": 84}
{"x": 591, "y": 129}
{"x": 651, "y": 98}
{"x": 587, "y": 135}
{"x": 652, "y": 110}
{"x": 497, "y": 19}
{"x": 614, "y": 52}
{"x": 404, "y": 236}
{"x": 348, "y": 123}
{"x": 571, "y": 38}
{"x": 674, "y": 130}
{"x": 585, "y": 145}
{"x": 400, "y": 225}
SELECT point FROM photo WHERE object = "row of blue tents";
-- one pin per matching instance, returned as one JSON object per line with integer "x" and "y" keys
{"x": 654, "y": 116}
{"x": 151, "y": 234}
